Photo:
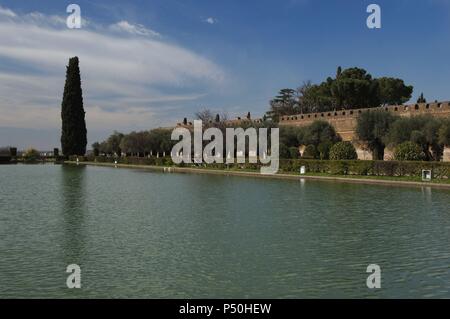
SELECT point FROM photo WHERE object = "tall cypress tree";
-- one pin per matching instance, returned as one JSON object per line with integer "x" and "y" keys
{"x": 73, "y": 135}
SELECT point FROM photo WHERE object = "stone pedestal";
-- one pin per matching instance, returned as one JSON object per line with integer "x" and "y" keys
{"x": 388, "y": 154}
{"x": 446, "y": 156}
{"x": 363, "y": 154}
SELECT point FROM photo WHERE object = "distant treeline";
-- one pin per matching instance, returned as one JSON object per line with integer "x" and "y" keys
{"x": 349, "y": 89}
{"x": 416, "y": 138}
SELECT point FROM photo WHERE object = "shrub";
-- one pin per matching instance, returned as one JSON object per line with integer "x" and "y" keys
{"x": 408, "y": 151}
{"x": 284, "y": 151}
{"x": 294, "y": 153}
{"x": 343, "y": 151}
{"x": 310, "y": 152}
{"x": 324, "y": 150}
{"x": 373, "y": 128}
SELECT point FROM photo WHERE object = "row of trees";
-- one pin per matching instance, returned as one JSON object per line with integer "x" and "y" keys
{"x": 159, "y": 140}
{"x": 351, "y": 88}
{"x": 318, "y": 137}
{"x": 378, "y": 129}
{"x": 136, "y": 143}
{"x": 413, "y": 138}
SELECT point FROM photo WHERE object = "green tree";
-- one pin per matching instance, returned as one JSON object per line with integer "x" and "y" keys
{"x": 408, "y": 151}
{"x": 285, "y": 103}
{"x": 351, "y": 88}
{"x": 114, "y": 143}
{"x": 355, "y": 88}
{"x": 96, "y": 148}
{"x": 393, "y": 91}
{"x": 294, "y": 153}
{"x": 320, "y": 133}
{"x": 444, "y": 133}
{"x": 315, "y": 98}
{"x": 372, "y": 128}
{"x": 421, "y": 99}
{"x": 289, "y": 136}
{"x": 73, "y": 134}
{"x": 423, "y": 130}
{"x": 343, "y": 151}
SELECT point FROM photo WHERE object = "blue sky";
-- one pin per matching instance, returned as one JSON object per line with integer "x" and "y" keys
{"x": 146, "y": 64}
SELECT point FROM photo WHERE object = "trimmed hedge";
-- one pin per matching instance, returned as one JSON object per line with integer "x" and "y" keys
{"x": 369, "y": 168}
{"x": 343, "y": 167}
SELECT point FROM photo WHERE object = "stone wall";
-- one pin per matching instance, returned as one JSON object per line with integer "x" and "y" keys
{"x": 345, "y": 121}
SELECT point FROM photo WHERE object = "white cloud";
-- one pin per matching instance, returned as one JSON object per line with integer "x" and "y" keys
{"x": 125, "y": 79}
{"x": 135, "y": 29}
{"x": 7, "y": 12}
{"x": 211, "y": 20}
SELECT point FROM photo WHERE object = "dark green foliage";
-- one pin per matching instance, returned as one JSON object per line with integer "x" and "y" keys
{"x": 5, "y": 155}
{"x": 324, "y": 150}
{"x": 13, "y": 151}
{"x": 343, "y": 151}
{"x": 423, "y": 130}
{"x": 283, "y": 104}
{"x": 352, "y": 88}
{"x": 393, "y": 91}
{"x": 374, "y": 168}
{"x": 284, "y": 151}
{"x": 408, "y": 151}
{"x": 289, "y": 136}
{"x": 56, "y": 152}
{"x": 114, "y": 143}
{"x": 310, "y": 152}
{"x": 144, "y": 142}
{"x": 96, "y": 148}
{"x": 444, "y": 133}
{"x": 372, "y": 128}
{"x": 5, "y": 159}
{"x": 294, "y": 153}
{"x": 319, "y": 132}
{"x": 355, "y": 88}
{"x": 421, "y": 99}
{"x": 73, "y": 134}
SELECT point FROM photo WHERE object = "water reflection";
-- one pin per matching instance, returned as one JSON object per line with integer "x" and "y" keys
{"x": 73, "y": 212}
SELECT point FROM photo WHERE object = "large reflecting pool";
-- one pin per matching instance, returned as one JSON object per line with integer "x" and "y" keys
{"x": 144, "y": 234}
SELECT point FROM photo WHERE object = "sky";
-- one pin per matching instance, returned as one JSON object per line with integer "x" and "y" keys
{"x": 148, "y": 64}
